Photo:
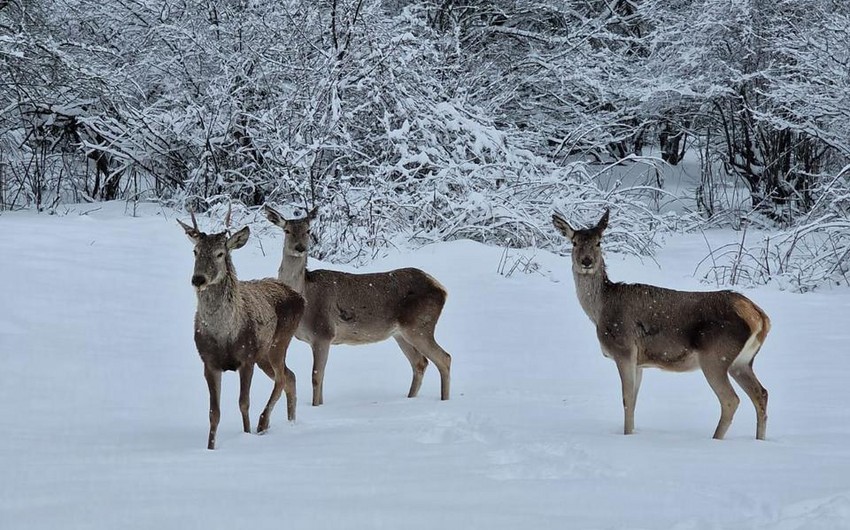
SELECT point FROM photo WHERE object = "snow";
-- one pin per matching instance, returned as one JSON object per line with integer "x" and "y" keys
{"x": 103, "y": 421}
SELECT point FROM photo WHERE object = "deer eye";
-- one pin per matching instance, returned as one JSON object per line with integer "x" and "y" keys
{"x": 219, "y": 254}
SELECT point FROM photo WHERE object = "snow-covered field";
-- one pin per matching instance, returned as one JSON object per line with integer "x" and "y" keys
{"x": 103, "y": 406}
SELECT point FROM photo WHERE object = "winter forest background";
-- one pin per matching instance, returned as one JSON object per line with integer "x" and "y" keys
{"x": 717, "y": 131}
{"x": 424, "y": 121}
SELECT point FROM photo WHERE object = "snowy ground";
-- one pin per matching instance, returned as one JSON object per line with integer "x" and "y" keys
{"x": 103, "y": 419}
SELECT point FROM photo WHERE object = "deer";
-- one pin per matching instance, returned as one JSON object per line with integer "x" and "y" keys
{"x": 638, "y": 326}
{"x": 344, "y": 308}
{"x": 240, "y": 324}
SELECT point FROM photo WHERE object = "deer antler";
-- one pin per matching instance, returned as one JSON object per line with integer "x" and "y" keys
{"x": 227, "y": 217}
{"x": 194, "y": 221}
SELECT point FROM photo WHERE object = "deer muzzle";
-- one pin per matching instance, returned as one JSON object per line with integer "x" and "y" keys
{"x": 199, "y": 281}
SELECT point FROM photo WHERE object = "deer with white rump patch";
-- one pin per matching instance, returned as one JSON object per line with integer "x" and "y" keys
{"x": 640, "y": 325}
{"x": 239, "y": 324}
{"x": 345, "y": 308}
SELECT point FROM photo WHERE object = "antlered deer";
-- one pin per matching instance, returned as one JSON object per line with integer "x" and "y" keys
{"x": 239, "y": 324}
{"x": 345, "y": 308}
{"x": 641, "y": 325}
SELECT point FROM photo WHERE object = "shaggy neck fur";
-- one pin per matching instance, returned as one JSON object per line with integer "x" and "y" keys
{"x": 590, "y": 289}
{"x": 220, "y": 305}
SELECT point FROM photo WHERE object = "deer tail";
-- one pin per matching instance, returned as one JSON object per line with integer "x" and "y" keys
{"x": 759, "y": 324}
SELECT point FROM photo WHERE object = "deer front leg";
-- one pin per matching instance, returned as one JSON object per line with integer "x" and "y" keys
{"x": 213, "y": 378}
{"x": 246, "y": 373}
{"x": 629, "y": 379}
{"x": 320, "y": 360}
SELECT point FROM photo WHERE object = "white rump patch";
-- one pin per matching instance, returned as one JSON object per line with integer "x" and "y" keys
{"x": 751, "y": 347}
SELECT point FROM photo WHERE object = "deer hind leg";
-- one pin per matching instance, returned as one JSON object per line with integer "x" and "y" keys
{"x": 266, "y": 368}
{"x": 418, "y": 363}
{"x": 288, "y": 388}
{"x": 284, "y": 380}
{"x": 630, "y": 381}
{"x": 744, "y": 376}
{"x": 213, "y": 378}
{"x": 320, "y": 360}
{"x": 715, "y": 368}
{"x": 423, "y": 341}
{"x": 246, "y": 373}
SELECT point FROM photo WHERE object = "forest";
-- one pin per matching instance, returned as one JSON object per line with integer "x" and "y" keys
{"x": 411, "y": 122}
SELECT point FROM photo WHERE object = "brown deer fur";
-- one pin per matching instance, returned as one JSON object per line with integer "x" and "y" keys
{"x": 239, "y": 324}
{"x": 641, "y": 325}
{"x": 345, "y": 308}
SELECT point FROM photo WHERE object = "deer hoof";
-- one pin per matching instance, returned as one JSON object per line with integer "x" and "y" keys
{"x": 263, "y": 426}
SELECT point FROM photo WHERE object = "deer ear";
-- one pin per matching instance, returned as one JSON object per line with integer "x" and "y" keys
{"x": 238, "y": 239}
{"x": 274, "y": 216}
{"x": 563, "y": 226}
{"x": 603, "y": 223}
{"x": 313, "y": 213}
{"x": 191, "y": 232}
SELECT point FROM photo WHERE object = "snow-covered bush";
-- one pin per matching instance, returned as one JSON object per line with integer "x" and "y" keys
{"x": 417, "y": 121}
{"x": 448, "y": 174}
{"x": 393, "y": 156}
{"x": 814, "y": 253}
{"x": 496, "y": 205}
{"x": 507, "y": 201}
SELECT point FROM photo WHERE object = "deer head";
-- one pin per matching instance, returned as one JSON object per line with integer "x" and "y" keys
{"x": 297, "y": 240}
{"x": 212, "y": 253}
{"x": 587, "y": 244}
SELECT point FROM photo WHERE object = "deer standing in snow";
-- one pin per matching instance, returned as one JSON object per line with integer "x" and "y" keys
{"x": 640, "y": 325}
{"x": 345, "y": 308}
{"x": 239, "y": 324}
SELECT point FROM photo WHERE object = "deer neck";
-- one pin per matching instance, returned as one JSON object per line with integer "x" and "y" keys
{"x": 293, "y": 270}
{"x": 590, "y": 289}
{"x": 220, "y": 305}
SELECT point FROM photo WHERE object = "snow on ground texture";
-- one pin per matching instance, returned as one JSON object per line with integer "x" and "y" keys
{"x": 103, "y": 421}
